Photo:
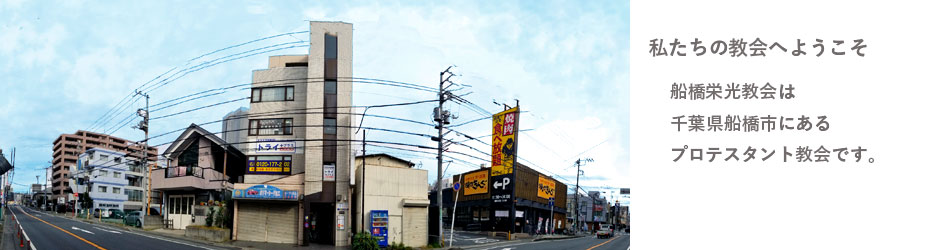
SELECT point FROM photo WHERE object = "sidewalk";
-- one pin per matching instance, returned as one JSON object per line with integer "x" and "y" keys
{"x": 180, "y": 235}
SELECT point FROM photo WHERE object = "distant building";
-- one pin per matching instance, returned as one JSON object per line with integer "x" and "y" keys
{"x": 68, "y": 147}
{"x": 114, "y": 180}
{"x": 234, "y": 128}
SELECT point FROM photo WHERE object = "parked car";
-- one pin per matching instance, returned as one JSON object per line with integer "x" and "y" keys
{"x": 133, "y": 218}
{"x": 116, "y": 214}
{"x": 606, "y": 231}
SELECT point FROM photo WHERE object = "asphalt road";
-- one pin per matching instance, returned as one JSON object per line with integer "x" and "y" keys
{"x": 619, "y": 242}
{"x": 53, "y": 232}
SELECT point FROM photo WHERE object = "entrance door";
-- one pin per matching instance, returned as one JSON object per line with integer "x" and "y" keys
{"x": 180, "y": 210}
{"x": 322, "y": 223}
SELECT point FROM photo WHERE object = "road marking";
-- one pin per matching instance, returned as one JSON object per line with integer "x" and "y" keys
{"x": 602, "y": 243}
{"x": 110, "y": 231}
{"x": 64, "y": 230}
{"x": 84, "y": 230}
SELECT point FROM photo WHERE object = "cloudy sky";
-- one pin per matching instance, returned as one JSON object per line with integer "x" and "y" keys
{"x": 64, "y": 64}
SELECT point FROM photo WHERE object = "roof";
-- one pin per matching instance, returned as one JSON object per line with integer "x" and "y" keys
{"x": 387, "y": 156}
{"x": 173, "y": 150}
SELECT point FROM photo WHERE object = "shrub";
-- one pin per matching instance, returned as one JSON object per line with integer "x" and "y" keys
{"x": 365, "y": 241}
{"x": 209, "y": 218}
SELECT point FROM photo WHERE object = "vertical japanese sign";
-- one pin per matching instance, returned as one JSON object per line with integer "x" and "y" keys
{"x": 504, "y": 152}
{"x": 476, "y": 182}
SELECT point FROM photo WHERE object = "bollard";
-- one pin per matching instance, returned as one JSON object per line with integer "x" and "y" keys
{"x": 21, "y": 241}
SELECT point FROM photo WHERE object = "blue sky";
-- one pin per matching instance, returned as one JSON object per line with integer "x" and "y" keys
{"x": 63, "y": 64}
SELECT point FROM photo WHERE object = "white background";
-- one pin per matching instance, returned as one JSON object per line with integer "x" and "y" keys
{"x": 892, "y": 102}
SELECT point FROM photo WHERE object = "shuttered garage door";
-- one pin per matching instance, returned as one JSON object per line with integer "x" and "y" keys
{"x": 267, "y": 222}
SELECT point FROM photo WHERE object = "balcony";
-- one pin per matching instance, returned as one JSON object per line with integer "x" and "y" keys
{"x": 187, "y": 178}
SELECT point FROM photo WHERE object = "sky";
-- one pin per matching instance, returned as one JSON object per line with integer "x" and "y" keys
{"x": 64, "y": 64}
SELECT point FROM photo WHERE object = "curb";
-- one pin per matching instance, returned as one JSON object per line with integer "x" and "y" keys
{"x": 559, "y": 238}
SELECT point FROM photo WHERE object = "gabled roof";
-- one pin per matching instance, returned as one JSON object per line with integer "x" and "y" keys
{"x": 185, "y": 139}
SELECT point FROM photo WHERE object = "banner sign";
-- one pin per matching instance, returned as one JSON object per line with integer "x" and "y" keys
{"x": 504, "y": 142}
{"x": 271, "y": 146}
{"x": 476, "y": 182}
{"x": 264, "y": 192}
{"x": 545, "y": 187}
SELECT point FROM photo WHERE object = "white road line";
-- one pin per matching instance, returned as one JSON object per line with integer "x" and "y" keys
{"x": 110, "y": 231}
{"x": 80, "y": 229}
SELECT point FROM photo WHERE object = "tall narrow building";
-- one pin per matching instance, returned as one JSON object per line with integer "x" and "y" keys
{"x": 299, "y": 152}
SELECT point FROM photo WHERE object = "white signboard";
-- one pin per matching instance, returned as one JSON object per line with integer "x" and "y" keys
{"x": 329, "y": 172}
{"x": 339, "y": 222}
{"x": 272, "y": 146}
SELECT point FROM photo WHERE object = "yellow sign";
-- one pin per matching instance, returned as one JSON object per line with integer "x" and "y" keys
{"x": 504, "y": 144}
{"x": 545, "y": 187}
{"x": 476, "y": 183}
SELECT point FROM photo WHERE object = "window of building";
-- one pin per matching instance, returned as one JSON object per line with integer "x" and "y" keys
{"x": 329, "y": 126}
{"x": 272, "y": 94}
{"x": 103, "y": 156}
{"x": 102, "y": 189}
{"x": 190, "y": 156}
{"x": 329, "y": 87}
{"x": 103, "y": 173}
{"x": 330, "y": 48}
{"x": 280, "y": 126}
{"x": 116, "y": 175}
{"x": 116, "y": 190}
{"x": 117, "y": 160}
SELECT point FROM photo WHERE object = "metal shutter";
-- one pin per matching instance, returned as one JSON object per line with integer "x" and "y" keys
{"x": 251, "y": 218}
{"x": 281, "y": 223}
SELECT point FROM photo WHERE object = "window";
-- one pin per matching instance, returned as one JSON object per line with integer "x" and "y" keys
{"x": 280, "y": 126}
{"x": 116, "y": 175}
{"x": 103, "y": 173}
{"x": 272, "y": 94}
{"x": 330, "y": 47}
{"x": 329, "y": 126}
{"x": 102, "y": 189}
{"x": 103, "y": 156}
{"x": 116, "y": 190}
{"x": 329, "y": 87}
{"x": 117, "y": 160}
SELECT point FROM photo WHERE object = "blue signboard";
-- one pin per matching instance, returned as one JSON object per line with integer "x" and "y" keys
{"x": 264, "y": 192}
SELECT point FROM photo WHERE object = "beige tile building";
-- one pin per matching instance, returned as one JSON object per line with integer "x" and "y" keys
{"x": 298, "y": 148}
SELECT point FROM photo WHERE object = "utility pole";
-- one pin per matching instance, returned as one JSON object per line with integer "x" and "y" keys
{"x": 143, "y": 125}
{"x": 441, "y": 119}
{"x": 363, "y": 187}
{"x": 577, "y": 187}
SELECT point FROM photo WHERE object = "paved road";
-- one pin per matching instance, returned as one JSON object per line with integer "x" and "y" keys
{"x": 465, "y": 238}
{"x": 53, "y": 232}
{"x": 620, "y": 242}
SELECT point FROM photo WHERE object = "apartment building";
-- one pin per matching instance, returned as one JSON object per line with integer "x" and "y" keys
{"x": 68, "y": 147}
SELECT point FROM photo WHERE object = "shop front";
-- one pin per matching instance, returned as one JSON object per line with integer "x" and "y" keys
{"x": 267, "y": 213}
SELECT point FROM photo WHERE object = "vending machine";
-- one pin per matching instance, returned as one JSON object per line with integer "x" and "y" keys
{"x": 380, "y": 226}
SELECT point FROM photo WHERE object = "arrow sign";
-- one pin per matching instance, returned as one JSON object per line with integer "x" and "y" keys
{"x": 110, "y": 231}
{"x": 503, "y": 183}
{"x": 80, "y": 229}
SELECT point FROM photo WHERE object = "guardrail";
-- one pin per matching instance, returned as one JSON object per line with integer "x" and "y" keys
{"x": 20, "y": 233}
